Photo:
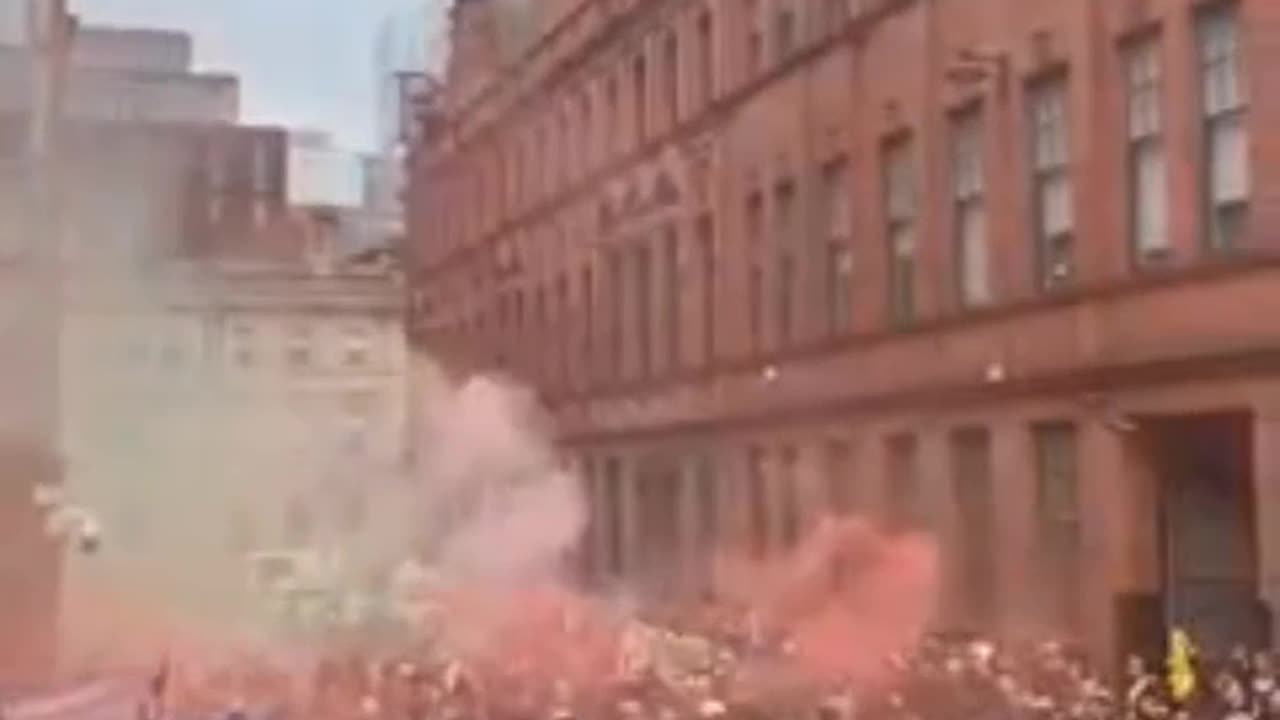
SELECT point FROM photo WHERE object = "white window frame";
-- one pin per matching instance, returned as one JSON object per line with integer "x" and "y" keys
{"x": 1147, "y": 165}
{"x": 901, "y": 211}
{"x": 1225, "y": 108}
{"x": 972, "y": 236}
{"x": 1052, "y": 182}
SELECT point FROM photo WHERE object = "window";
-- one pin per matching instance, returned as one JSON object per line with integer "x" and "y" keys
{"x": 784, "y": 235}
{"x": 298, "y": 526}
{"x": 588, "y": 318}
{"x": 1051, "y": 183}
{"x": 614, "y": 499}
{"x": 640, "y": 76}
{"x": 755, "y": 306}
{"x": 903, "y": 476}
{"x": 900, "y": 215}
{"x": 562, "y": 329}
{"x": 586, "y": 139}
{"x": 1226, "y": 135}
{"x": 617, "y": 311}
{"x": 708, "y": 494}
{"x": 609, "y": 132}
{"x": 754, "y": 221}
{"x": 674, "y": 308}
{"x": 261, "y": 167}
{"x": 243, "y": 340}
{"x": 707, "y": 256}
{"x": 1058, "y": 515}
{"x": 837, "y": 236}
{"x": 299, "y": 353}
{"x": 837, "y": 466}
{"x": 758, "y": 501}
{"x": 1148, "y": 176}
{"x": 706, "y": 58}
{"x": 968, "y": 190}
{"x": 785, "y": 301}
{"x": 754, "y": 38}
{"x": 671, "y": 77}
{"x": 784, "y": 30}
{"x": 789, "y": 496}
{"x": 643, "y": 260}
{"x": 974, "y": 497}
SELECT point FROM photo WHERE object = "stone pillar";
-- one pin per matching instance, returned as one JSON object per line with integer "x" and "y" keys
{"x": 1266, "y": 474}
{"x": 1013, "y": 480}
{"x": 1119, "y": 499}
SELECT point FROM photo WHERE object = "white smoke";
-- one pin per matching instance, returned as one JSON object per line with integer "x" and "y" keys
{"x": 501, "y": 508}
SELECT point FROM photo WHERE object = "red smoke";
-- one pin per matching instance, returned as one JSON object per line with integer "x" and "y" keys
{"x": 542, "y": 636}
{"x": 847, "y": 598}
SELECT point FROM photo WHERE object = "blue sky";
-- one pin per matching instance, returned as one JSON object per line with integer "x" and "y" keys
{"x": 302, "y": 63}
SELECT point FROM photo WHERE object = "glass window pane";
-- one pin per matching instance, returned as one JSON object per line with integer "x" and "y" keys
{"x": 1055, "y": 204}
{"x": 975, "y": 263}
{"x": 1150, "y": 201}
{"x": 1229, "y": 174}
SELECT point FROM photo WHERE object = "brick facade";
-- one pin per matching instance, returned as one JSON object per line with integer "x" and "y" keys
{"x": 729, "y": 239}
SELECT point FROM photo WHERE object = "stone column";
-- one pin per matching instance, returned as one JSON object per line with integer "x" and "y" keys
{"x": 1119, "y": 499}
{"x": 1266, "y": 474}
{"x": 1013, "y": 478}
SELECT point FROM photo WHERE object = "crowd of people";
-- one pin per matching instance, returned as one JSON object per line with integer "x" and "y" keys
{"x": 945, "y": 677}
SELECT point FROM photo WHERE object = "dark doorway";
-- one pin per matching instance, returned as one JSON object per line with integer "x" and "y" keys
{"x": 1204, "y": 466}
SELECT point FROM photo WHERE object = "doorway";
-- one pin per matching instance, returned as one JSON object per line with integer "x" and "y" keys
{"x": 1208, "y": 527}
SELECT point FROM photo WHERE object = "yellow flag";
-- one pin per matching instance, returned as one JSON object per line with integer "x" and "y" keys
{"x": 1181, "y": 667}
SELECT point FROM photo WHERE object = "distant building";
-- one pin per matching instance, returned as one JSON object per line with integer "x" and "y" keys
{"x": 227, "y": 409}
{"x": 228, "y": 382}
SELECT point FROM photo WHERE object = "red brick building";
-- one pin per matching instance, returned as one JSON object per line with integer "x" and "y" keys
{"x": 999, "y": 268}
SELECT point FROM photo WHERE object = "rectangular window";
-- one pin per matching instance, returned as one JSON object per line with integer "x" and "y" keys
{"x": 754, "y": 49}
{"x": 836, "y": 233}
{"x": 706, "y": 58}
{"x": 754, "y": 222}
{"x": 643, "y": 259}
{"x": 671, "y": 77}
{"x": 1051, "y": 183}
{"x": 586, "y": 140}
{"x": 1058, "y": 518}
{"x": 708, "y": 494}
{"x": 1148, "y": 176}
{"x": 674, "y": 308}
{"x": 561, "y": 330}
{"x": 789, "y": 497}
{"x": 903, "y": 476}
{"x": 838, "y": 468}
{"x": 969, "y": 195}
{"x": 707, "y": 255}
{"x": 588, "y": 359}
{"x": 755, "y": 306}
{"x": 786, "y": 290}
{"x": 614, "y": 499}
{"x": 1225, "y": 127}
{"x": 261, "y": 167}
{"x": 900, "y": 216}
{"x": 784, "y": 30}
{"x": 758, "y": 502}
{"x": 974, "y": 496}
{"x": 640, "y": 77}
{"x": 617, "y": 312}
